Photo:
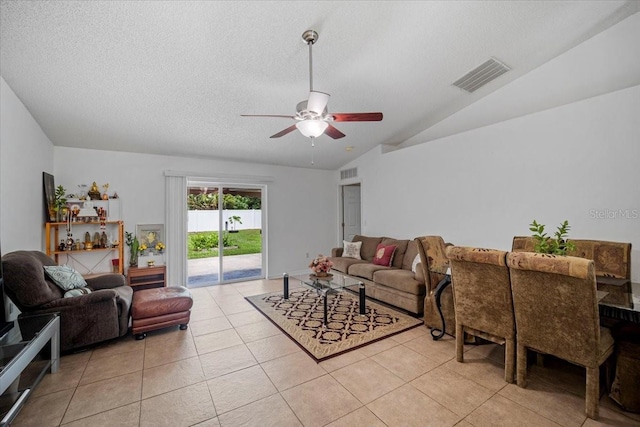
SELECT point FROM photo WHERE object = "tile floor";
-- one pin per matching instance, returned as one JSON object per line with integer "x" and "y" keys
{"x": 232, "y": 367}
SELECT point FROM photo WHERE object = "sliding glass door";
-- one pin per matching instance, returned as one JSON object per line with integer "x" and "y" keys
{"x": 225, "y": 238}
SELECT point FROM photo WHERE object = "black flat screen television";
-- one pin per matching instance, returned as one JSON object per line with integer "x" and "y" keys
{"x": 5, "y": 326}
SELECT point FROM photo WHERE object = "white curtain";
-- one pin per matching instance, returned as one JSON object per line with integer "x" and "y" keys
{"x": 176, "y": 229}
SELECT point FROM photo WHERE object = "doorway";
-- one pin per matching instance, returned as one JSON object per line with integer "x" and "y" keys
{"x": 351, "y": 211}
{"x": 225, "y": 239}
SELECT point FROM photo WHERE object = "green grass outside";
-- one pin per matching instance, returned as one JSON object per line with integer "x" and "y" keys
{"x": 247, "y": 242}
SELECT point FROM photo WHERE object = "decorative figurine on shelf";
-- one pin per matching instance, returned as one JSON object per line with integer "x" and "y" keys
{"x": 94, "y": 193}
{"x": 83, "y": 191}
{"x": 105, "y": 195}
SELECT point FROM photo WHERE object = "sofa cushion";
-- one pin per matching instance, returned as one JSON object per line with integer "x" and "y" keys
{"x": 384, "y": 255}
{"x": 77, "y": 292}
{"x": 401, "y": 280}
{"x": 369, "y": 245}
{"x": 342, "y": 264}
{"x": 410, "y": 255}
{"x": 401, "y": 248}
{"x": 351, "y": 249}
{"x": 365, "y": 270}
{"x": 64, "y": 276}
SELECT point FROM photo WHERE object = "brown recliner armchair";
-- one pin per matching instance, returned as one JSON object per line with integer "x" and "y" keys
{"x": 86, "y": 319}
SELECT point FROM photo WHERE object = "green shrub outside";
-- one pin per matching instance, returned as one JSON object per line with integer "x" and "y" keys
{"x": 205, "y": 244}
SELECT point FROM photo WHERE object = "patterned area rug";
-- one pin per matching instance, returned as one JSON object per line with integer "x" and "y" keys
{"x": 301, "y": 315}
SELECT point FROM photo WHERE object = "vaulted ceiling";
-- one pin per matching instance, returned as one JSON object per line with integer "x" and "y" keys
{"x": 174, "y": 77}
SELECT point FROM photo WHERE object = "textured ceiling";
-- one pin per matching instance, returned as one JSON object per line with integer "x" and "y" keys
{"x": 173, "y": 77}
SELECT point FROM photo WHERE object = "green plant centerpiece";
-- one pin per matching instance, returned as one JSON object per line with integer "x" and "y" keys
{"x": 134, "y": 247}
{"x": 559, "y": 244}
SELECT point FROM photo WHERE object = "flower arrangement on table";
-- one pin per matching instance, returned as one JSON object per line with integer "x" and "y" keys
{"x": 142, "y": 248}
{"x": 321, "y": 265}
{"x": 160, "y": 247}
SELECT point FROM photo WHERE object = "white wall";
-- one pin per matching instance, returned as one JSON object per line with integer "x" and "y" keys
{"x": 25, "y": 152}
{"x": 296, "y": 223}
{"x": 482, "y": 187}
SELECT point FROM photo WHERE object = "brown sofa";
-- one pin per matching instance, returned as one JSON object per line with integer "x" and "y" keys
{"x": 86, "y": 319}
{"x": 396, "y": 285}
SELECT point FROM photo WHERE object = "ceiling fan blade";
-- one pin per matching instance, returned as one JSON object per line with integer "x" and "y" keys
{"x": 317, "y": 102}
{"x": 266, "y": 115}
{"x": 284, "y": 132}
{"x": 357, "y": 117}
{"x": 333, "y": 132}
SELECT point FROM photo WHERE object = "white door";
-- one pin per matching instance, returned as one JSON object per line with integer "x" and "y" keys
{"x": 350, "y": 211}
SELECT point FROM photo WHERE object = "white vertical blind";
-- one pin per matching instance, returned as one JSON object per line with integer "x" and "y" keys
{"x": 176, "y": 229}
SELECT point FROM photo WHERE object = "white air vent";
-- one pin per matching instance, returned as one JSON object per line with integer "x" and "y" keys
{"x": 481, "y": 75}
{"x": 349, "y": 173}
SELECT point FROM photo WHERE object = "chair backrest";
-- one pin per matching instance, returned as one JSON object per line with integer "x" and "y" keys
{"x": 432, "y": 250}
{"x": 25, "y": 282}
{"x": 482, "y": 290}
{"x": 555, "y": 305}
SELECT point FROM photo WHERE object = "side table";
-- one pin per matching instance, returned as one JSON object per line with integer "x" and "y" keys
{"x": 26, "y": 352}
{"x": 146, "y": 277}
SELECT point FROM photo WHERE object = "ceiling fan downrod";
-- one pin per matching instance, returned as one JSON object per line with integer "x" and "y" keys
{"x": 310, "y": 37}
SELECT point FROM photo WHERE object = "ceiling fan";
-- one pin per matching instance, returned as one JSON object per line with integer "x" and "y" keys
{"x": 312, "y": 117}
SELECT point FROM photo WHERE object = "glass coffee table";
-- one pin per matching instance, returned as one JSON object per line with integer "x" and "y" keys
{"x": 334, "y": 283}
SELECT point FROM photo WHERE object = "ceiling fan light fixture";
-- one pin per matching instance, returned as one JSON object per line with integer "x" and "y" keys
{"x": 312, "y": 128}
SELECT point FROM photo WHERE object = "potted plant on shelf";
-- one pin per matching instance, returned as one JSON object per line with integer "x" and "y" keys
{"x": 558, "y": 245}
{"x": 134, "y": 247}
{"x": 60, "y": 202}
{"x": 233, "y": 220}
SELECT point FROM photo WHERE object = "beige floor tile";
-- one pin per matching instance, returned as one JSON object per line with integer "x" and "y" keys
{"x": 492, "y": 352}
{"x": 272, "y": 347}
{"x": 272, "y": 411}
{"x": 111, "y": 366}
{"x": 342, "y": 360}
{"x": 43, "y": 411}
{"x": 407, "y": 406}
{"x": 499, "y": 411}
{"x": 207, "y": 326}
{"x": 378, "y": 346}
{"x": 221, "y": 362}
{"x": 162, "y": 354}
{"x": 612, "y": 415}
{"x": 217, "y": 341}
{"x": 81, "y": 357}
{"x": 239, "y": 388}
{"x": 183, "y": 407}
{"x": 362, "y": 417}
{"x": 124, "y": 416}
{"x": 291, "y": 370}
{"x": 205, "y": 313}
{"x": 118, "y": 346}
{"x": 610, "y": 406}
{"x": 453, "y": 391}
{"x": 213, "y": 422}
{"x": 367, "y": 380}
{"x": 67, "y": 377}
{"x": 104, "y": 395}
{"x": 248, "y": 317}
{"x": 559, "y": 373}
{"x": 404, "y": 362}
{"x": 167, "y": 337}
{"x": 483, "y": 371}
{"x": 171, "y": 376}
{"x": 553, "y": 403}
{"x": 412, "y": 333}
{"x": 320, "y": 401}
{"x": 433, "y": 350}
{"x": 236, "y": 307}
{"x": 256, "y": 331}
{"x": 205, "y": 303}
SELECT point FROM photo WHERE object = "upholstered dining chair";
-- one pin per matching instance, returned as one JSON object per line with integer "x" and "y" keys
{"x": 482, "y": 300}
{"x": 433, "y": 258}
{"x": 556, "y": 312}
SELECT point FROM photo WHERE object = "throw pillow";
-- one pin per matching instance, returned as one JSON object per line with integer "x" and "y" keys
{"x": 384, "y": 255}
{"x": 414, "y": 264}
{"x": 351, "y": 249}
{"x": 77, "y": 292}
{"x": 65, "y": 277}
